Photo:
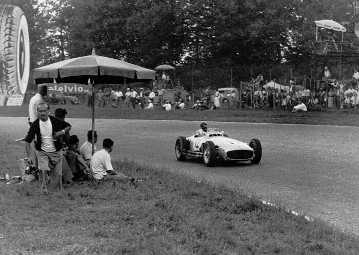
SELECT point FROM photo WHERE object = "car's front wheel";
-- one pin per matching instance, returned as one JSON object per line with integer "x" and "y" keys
{"x": 255, "y": 144}
{"x": 209, "y": 153}
{"x": 180, "y": 148}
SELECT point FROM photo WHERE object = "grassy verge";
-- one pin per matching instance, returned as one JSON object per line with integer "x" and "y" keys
{"x": 166, "y": 214}
{"x": 347, "y": 117}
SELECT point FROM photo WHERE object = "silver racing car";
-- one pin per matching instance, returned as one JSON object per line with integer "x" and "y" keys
{"x": 216, "y": 146}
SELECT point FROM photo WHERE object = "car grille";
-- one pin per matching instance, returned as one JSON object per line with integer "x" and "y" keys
{"x": 240, "y": 154}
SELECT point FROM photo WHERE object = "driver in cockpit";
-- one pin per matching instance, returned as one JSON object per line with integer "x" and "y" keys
{"x": 203, "y": 130}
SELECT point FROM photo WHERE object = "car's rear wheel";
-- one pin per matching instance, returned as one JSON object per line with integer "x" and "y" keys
{"x": 209, "y": 153}
{"x": 181, "y": 148}
{"x": 255, "y": 144}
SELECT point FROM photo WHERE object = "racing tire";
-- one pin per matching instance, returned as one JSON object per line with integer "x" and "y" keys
{"x": 255, "y": 144}
{"x": 14, "y": 51}
{"x": 181, "y": 147}
{"x": 209, "y": 153}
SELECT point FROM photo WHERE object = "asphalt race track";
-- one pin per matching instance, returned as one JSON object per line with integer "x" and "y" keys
{"x": 309, "y": 169}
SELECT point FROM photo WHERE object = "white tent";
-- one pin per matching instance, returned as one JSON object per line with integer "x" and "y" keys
{"x": 275, "y": 85}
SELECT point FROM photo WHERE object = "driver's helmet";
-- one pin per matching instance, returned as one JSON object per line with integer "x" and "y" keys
{"x": 203, "y": 125}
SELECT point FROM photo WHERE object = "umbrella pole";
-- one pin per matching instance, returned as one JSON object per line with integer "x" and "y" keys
{"x": 93, "y": 119}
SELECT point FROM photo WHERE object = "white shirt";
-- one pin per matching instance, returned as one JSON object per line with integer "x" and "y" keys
{"x": 86, "y": 150}
{"x": 119, "y": 94}
{"x": 181, "y": 105}
{"x": 34, "y": 101}
{"x": 47, "y": 142}
{"x": 167, "y": 107}
{"x": 134, "y": 94}
{"x": 301, "y": 106}
{"x": 200, "y": 132}
{"x": 152, "y": 95}
{"x": 100, "y": 163}
{"x": 150, "y": 106}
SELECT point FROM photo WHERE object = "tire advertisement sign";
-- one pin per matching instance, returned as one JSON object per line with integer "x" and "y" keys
{"x": 14, "y": 55}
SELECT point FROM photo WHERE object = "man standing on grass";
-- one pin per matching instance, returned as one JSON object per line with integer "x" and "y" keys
{"x": 48, "y": 131}
{"x": 101, "y": 166}
{"x": 35, "y": 100}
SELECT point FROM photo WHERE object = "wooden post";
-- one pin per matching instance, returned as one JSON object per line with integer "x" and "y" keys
{"x": 93, "y": 118}
{"x": 240, "y": 95}
{"x": 274, "y": 94}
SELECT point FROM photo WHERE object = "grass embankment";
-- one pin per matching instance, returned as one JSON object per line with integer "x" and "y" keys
{"x": 165, "y": 214}
{"x": 346, "y": 117}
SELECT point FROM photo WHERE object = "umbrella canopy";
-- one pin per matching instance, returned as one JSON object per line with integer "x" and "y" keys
{"x": 330, "y": 24}
{"x": 95, "y": 69}
{"x": 99, "y": 69}
{"x": 164, "y": 68}
{"x": 275, "y": 85}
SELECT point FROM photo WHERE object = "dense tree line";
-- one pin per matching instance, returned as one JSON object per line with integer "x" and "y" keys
{"x": 207, "y": 39}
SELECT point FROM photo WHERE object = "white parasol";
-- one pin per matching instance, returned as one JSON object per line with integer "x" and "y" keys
{"x": 330, "y": 24}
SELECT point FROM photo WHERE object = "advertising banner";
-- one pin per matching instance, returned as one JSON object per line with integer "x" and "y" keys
{"x": 69, "y": 88}
{"x": 14, "y": 55}
{"x": 15, "y": 100}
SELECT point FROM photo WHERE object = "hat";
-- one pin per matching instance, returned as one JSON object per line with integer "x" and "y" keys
{"x": 203, "y": 124}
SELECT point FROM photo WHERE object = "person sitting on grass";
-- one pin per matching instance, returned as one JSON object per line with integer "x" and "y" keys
{"x": 180, "y": 104}
{"x": 167, "y": 106}
{"x": 301, "y": 107}
{"x": 150, "y": 105}
{"x": 76, "y": 162}
{"x": 86, "y": 148}
{"x": 101, "y": 166}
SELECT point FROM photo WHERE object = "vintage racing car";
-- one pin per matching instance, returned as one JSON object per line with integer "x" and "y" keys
{"x": 216, "y": 146}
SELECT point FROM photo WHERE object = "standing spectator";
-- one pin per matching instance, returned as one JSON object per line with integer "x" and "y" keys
{"x": 100, "y": 99}
{"x": 33, "y": 115}
{"x": 128, "y": 98}
{"x": 89, "y": 98}
{"x": 133, "y": 98}
{"x": 47, "y": 130}
{"x": 208, "y": 94}
{"x": 326, "y": 72}
{"x": 35, "y": 100}
{"x": 217, "y": 103}
{"x": 306, "y": 95}
{"x": 331, "y": 98}
{"x": 119, "y": 97}
{"x": 151, "y": 96}
{"x": 141, "y": 98}
{"x": 86, "y": 148}
{"x": 161, "y": 93}
{"x": 234, "y": 99}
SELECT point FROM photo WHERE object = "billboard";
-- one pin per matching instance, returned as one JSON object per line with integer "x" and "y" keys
{"x": 14, "y": 55}
{"x": 69, "y": 88}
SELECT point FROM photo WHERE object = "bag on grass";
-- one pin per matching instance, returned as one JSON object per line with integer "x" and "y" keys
{"x": 28, "y": 171}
